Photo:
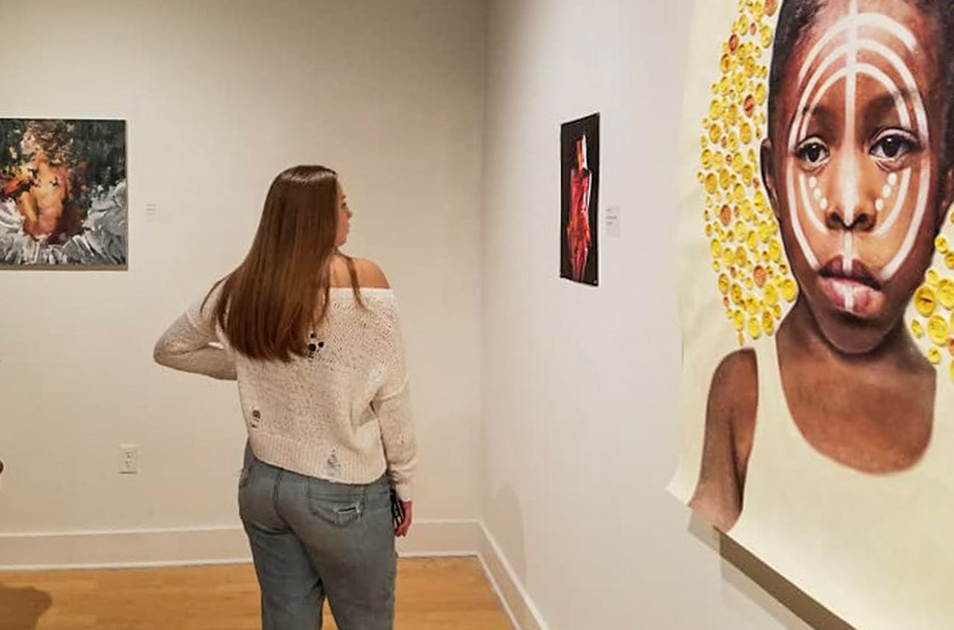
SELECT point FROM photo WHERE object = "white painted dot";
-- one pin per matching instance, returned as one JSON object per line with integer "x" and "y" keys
{"x": 879, "y": 205}
{"x": 812, "y": 182}
{"x": 893, "y": 179}
{"x": 824, "y": 203}
{"x": 886, "y": 191}
{"x": 817, "y": 193}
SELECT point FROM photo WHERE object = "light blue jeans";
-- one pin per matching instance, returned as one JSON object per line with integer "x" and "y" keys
{"x": 313, "y": 539}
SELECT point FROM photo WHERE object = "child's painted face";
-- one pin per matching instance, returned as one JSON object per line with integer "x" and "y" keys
{"x": 854, "y": 164}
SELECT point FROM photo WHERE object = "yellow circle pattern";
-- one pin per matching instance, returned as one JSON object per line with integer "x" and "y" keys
{"x": 751, "y": 273}
{"x": 932, "y": 321}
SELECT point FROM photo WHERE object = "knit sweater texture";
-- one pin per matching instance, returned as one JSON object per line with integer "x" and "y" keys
{"x": 340, "y": 413}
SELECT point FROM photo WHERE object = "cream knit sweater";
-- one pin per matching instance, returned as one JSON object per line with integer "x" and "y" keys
{"x": 341, "y": 413}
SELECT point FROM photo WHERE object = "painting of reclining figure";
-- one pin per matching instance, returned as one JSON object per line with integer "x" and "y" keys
{"x": 63, "y": 198}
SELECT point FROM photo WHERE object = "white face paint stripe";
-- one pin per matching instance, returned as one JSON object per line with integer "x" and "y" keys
{"x": 907, "y": 77}
{"x": 891, "y": 218}
{"x": 875, "y": 20}
{"x": 853, "y": 21}
{"x": 827, "y": 85}
{"x": 850, "y": 184}
{"x": 807, "y": 202}
{"x": 920, "y": 114}
{"x": 849, "y": 296}
{"x": 892, "y": 267}
{"x": 849, "y": 252}
{"x": 850, "y": 198}
{"x": 883, "y": 22}
{"x": 866, "y": 69}
{"x": 796, "y": 222}
{"x": 801, "y": 112}
{"x": 879, "y": 75}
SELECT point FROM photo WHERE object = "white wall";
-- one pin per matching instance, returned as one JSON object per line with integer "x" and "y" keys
{"x": 581, "y": 384}
{"x": 219, "y": 97}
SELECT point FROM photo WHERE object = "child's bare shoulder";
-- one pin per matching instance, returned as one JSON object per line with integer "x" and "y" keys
{"x": 736, "y": 374}
{"x": 734, "y": 397}
{"x": 730, "y": 422}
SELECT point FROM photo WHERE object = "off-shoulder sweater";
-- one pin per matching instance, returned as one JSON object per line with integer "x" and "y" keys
{"x": 339, "y": 413}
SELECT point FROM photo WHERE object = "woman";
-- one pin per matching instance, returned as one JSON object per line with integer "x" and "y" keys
{"x": 314, "y": 340}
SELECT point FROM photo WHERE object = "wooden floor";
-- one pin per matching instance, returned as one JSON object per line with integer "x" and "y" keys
{"x": 433, "y": 594}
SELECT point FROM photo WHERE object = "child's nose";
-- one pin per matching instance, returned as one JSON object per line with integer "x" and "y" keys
{"x": 849, "y": 215}
{"x": 849, "y": 206}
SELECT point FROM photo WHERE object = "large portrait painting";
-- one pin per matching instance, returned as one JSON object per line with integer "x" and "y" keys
{"x": 63, "y": 193}
{"x": 816, "y": 297}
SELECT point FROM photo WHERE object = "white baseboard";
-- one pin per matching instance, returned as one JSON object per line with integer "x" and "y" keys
{"x": 197, "y": 546}
{"x": 123, "y": 549}
{"x": 441, "y": 538}
{"x": 228, "y": 545}
{"x": 516, "y": 601}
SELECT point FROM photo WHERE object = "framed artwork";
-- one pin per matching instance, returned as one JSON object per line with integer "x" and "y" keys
{"x": 816, "y": 289}
{"x": 63, "y": 195}
{"x": 580, "y": 184}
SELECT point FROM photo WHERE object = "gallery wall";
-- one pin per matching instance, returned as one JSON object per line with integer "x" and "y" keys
{"x": 581, "y": 384}
{"x": 220, "y": 96}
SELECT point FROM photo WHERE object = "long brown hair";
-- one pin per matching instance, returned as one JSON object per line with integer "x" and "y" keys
{"x": 280, "y": 291}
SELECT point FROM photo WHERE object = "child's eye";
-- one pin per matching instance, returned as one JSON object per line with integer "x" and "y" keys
{"x": 892, "y": 145}
{"x": 813, "y": 151}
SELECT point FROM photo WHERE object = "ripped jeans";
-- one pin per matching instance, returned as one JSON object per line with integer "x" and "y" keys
{"x": 313, "y": 539}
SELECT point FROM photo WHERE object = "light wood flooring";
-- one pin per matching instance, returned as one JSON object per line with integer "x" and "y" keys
{"x": 433, "y": 594}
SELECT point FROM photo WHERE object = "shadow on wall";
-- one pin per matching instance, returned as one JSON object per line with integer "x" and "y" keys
{"x": 755, "y": 580}
{"x": 22, "y": 607}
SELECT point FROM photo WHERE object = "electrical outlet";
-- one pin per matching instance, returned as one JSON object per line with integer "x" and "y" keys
{"x": 128, "y": 459}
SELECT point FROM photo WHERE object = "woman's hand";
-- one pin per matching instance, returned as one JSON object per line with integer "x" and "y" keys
{"x": 405, "y": 524}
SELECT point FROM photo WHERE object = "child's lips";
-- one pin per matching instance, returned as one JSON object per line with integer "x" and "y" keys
{"x": 854, "y": 290}
{"x": 852, "y": 297}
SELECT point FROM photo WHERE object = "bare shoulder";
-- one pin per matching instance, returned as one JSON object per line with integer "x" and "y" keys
{"x": 735, "y": 381}
{"x": 729, "y": 430}
{"x": 734, "y": 399}
{"x": 370, "y": 275}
